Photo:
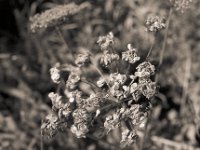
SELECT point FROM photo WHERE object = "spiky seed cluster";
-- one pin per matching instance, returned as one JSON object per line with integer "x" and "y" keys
{"x": 155, "y": 24}
{"x": 55, "y": 16}
{"x": 118, "y": 98}
{"x": 181, "y": 5}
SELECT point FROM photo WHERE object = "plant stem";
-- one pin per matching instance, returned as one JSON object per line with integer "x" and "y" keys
{"x": 61, "y": 37}
{"x": 150, "y": 50}
{"x": 165, "y": 38}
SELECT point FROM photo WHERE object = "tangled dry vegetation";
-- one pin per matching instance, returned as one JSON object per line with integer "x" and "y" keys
{"x": 102, "y": 75}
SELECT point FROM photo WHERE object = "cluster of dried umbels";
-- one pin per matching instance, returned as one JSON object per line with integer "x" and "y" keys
{"x": 116, "y": 99}
{"x": 94, "y": 100}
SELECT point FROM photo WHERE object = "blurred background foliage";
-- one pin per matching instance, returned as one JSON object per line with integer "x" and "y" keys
{"x": 25, "y": 60}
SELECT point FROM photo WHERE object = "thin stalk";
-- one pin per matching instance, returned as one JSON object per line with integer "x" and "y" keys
{"x": 99, "y": 71}
{"x": 63, "y": 40}
{"x": 165, "y": 38}
{"x": 61, "y": 37}
{"x": 150, "y": 50}
{"x": 41, "y": 141}
{"x": 116, "y": 62}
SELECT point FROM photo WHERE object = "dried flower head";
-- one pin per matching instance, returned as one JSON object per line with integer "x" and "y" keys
{"x": 117, "y": 78}
{"x": 112, "y": 121}
{"x": 73, "y": 96}
{"x": 65, "y": 111}
{"x": 148, "y": 89}
{"x": 181, "y": 5}
{"x": 55, "y": 16}
{"x": 145, "y": 69}
{"x": 81, "y": 115}
{"x": 106, "y": 41}
{"x": 50, "y": 125}
{"x": 130, "y": 55}
{"x": 107, "y": 58}
{"x": 155, "y": 24}
{"x": 56, "y": 100}
{"x": 55, "y": 74}
{"x": 80, "y": 130}
{"x": 73, "y": 80}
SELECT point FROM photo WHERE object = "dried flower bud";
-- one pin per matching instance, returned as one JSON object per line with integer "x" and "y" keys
{"x": 55, "y": 74}
{"x": 112, "y": 121}
{"x": 65, "y": 111}
{"x": 73, "y": 96}
{"x": 105, "y": 41}
{"x": 80, "y": 130}
{"x": 145, "y": 69}
{"x": 155, "y": 24}
{"x": 116, "y": 77}
{"x": 56, "y": 100}
{"x": 116, "y": 91}
{"x": 108, "y": 58}
{"x": 95, "y": 101}
{"x": 72, "y": 81}
{"x": 81, "y": 115}
{"x": 50, "y": 125}
{"x": 148, "y": 89}
{"x": 130, "y": 55}
{"x": 82, "y": 60}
